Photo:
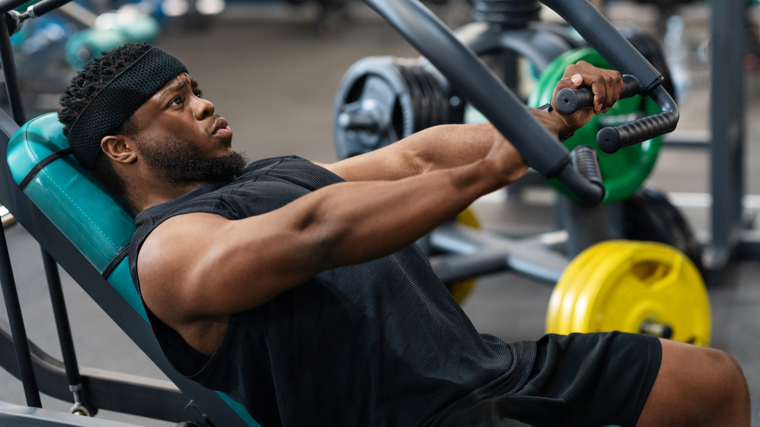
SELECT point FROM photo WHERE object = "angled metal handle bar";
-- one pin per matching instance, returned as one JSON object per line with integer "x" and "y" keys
{"x": 470, "y": 76}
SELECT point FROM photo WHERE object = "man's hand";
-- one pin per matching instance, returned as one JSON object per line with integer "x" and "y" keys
{"x": 607, "y": 85}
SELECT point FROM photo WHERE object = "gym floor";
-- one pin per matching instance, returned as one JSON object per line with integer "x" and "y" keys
{"x": 274, "y": 80}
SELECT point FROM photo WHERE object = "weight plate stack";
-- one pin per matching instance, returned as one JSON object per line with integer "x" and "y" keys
{"x": 383, "y": 99}
{"x": 629, "y": 286}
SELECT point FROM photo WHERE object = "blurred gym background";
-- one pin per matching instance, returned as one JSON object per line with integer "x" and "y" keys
{"x": 272, "y": 69}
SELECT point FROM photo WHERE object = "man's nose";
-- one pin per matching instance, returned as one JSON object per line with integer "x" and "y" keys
{"x": 203, "y": 108}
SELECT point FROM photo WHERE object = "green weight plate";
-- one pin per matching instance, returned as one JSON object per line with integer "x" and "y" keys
{"x": 624, "y": 171}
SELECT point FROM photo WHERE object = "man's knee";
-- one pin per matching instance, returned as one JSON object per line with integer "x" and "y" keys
{"x": 703, "y": 386}
{"x": 709, "y": 381}
{"x": 729, "y": 377}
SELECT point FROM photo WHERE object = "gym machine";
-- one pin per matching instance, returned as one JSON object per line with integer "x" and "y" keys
{"x": 382, "y": 99}
{"x": 87, "y": 235}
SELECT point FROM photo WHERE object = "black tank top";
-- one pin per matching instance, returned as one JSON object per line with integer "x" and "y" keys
{"x": 377, "y": 344}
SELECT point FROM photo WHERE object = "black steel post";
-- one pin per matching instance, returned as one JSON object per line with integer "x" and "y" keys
{"x": 585, "y": 225}
{"x": 16, "y": 320}
{"x": 61, "y": 319}
{"x": 727, "y": 125}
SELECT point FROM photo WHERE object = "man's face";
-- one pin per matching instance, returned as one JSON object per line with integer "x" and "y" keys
{"x": 181, "y": 138}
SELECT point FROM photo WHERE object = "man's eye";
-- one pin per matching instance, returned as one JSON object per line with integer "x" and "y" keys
{"x": 198, "y": 93}
{"x": 176, "y": 101}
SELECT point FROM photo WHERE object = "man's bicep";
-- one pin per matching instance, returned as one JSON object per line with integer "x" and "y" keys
{"x": 204, "y": 264}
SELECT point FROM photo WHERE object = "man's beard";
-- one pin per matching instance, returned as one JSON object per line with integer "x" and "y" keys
{"x": 181, "y": 162}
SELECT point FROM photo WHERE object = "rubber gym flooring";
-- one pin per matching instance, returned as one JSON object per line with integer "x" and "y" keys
{"x": 275, "y": 81}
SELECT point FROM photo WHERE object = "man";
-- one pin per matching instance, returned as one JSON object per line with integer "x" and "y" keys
{"x": 297, "y": 290}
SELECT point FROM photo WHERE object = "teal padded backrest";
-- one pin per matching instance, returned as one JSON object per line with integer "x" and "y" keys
{"x": 78, "y": 204}
{"x": 74, "y": 200}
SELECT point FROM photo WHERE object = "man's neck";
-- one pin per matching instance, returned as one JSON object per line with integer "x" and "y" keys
{"x": 145, "y": 198}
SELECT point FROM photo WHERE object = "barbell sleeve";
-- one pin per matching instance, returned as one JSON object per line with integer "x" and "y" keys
{"x": 354, "y": 121}
{"x": 570, "y": 100}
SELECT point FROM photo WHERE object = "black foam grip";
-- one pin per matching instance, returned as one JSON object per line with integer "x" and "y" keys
{"x": 586, "y": 162}
{"x": 612, "y": 139}
{"x": 571, "y": 100}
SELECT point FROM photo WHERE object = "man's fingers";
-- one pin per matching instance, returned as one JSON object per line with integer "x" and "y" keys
{"x": 606, "y": 85}
{"x": 599, "y": 87}
{"x": 615, "y": 84}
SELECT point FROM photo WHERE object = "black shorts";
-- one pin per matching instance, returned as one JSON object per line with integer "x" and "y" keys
{"x": 579, "y": 380}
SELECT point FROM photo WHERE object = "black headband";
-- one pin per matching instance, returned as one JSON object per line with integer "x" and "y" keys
{"x": 118, "y": 99}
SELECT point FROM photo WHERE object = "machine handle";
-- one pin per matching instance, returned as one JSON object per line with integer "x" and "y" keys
{"x": 612, "y": 139}
{"x": 586, "y": 162}
{"x": 570, "y": 100}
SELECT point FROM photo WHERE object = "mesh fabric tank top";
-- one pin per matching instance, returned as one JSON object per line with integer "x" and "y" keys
{"x": 377, "y": 344}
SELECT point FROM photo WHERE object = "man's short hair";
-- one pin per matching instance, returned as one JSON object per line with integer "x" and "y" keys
{"x": 83, "y": 88}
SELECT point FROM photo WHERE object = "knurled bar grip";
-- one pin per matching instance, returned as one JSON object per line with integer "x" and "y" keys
{"x": 586, "y": 162}
{"x": 613, "y": 139}
{"x": 570, "y": 100}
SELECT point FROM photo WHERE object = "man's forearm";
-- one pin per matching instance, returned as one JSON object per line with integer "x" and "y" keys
{"x": 436, "y": 148}
{"x": 447, "y": 146}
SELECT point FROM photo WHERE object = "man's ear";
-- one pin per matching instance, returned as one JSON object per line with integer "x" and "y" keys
{"x": 119, "y": 148}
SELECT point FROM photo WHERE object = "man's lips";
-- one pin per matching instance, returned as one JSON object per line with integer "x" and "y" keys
{"x": 221, "y": 128}
{"x": 223, "y": 131}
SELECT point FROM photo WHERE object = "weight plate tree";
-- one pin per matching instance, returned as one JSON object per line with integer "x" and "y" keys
{"x": 381, "y": 100}
{"x": 624, "y": 171}
{"x": 637, "y": 287}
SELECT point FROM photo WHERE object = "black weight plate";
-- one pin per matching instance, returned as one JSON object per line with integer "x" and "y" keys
{"x": 649, "y": 216}
{"x": 384, "y": 79}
